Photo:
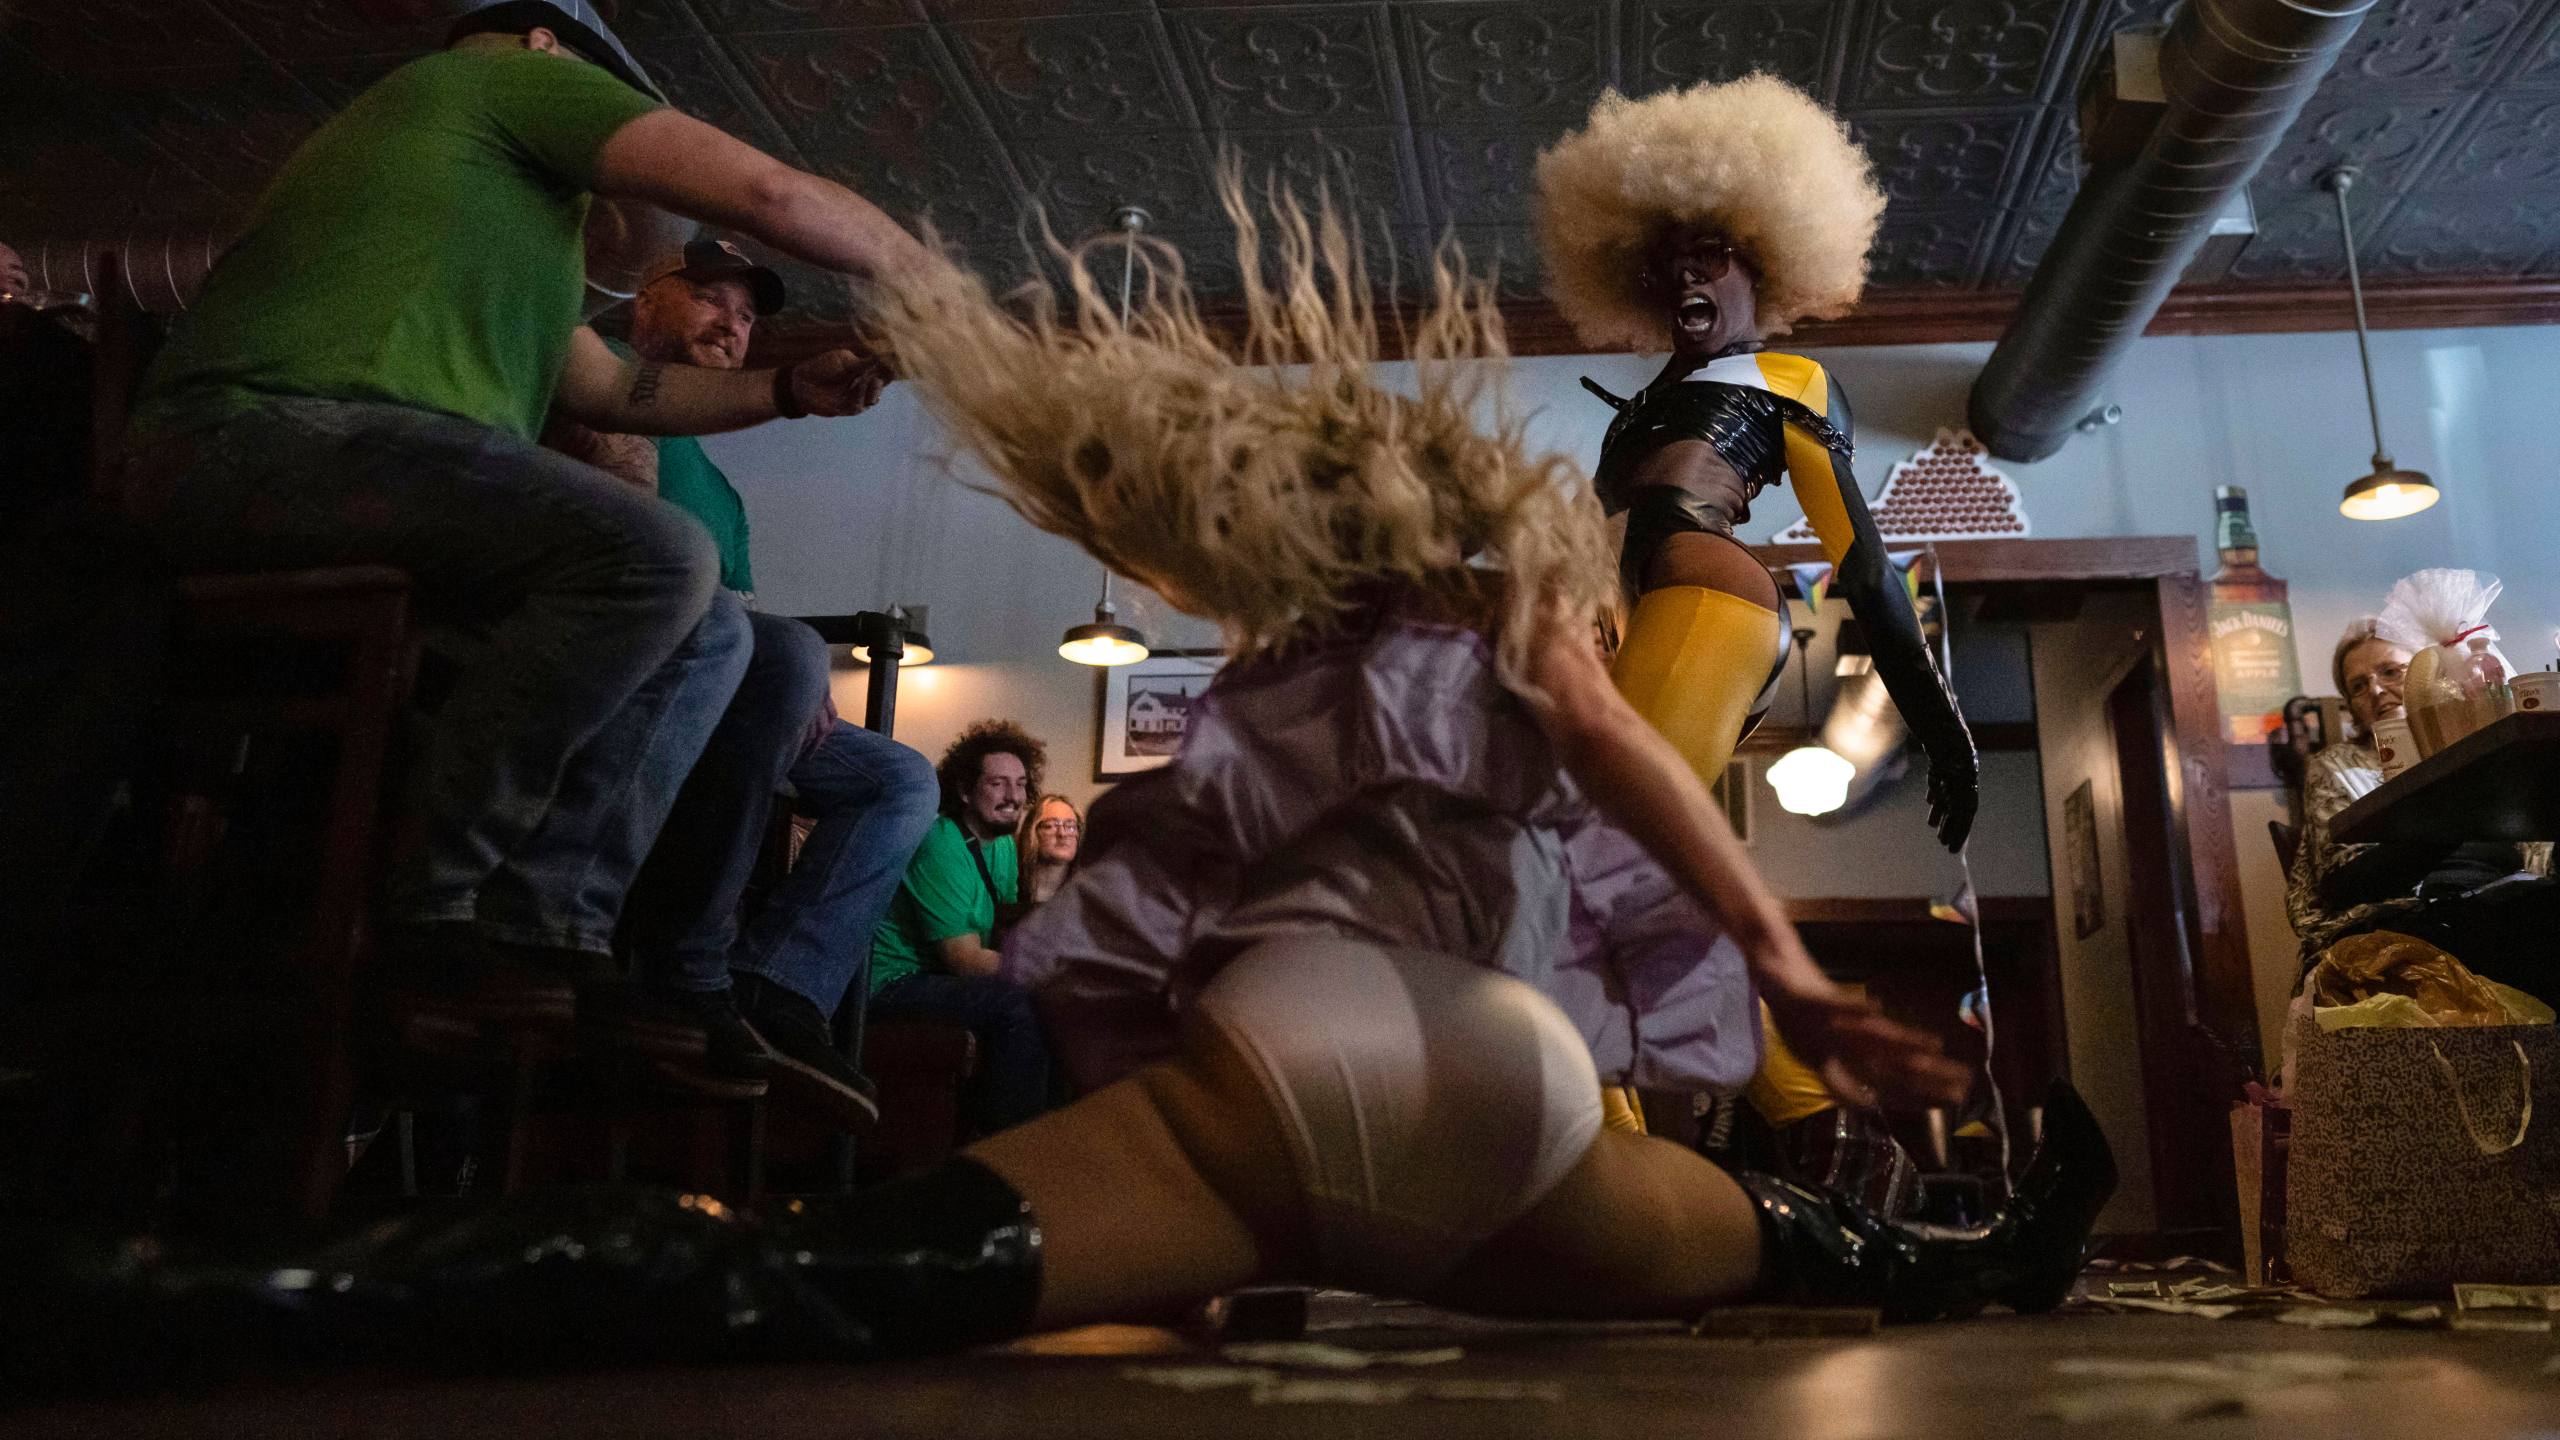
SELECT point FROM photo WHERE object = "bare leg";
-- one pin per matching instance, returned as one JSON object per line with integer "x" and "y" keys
{"x": 1158, "y": 1192}
{"x": 1640, "y": 1228}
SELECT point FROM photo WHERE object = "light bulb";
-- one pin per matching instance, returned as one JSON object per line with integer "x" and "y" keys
{"x": 1811, "y": 780}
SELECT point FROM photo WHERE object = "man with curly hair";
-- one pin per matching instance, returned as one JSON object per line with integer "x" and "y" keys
{"x": 934, "y": 958}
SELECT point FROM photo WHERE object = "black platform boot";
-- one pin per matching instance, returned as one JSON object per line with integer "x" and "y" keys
{"x": 1828, "y": 1249}
{"x": 549, "y": 1279}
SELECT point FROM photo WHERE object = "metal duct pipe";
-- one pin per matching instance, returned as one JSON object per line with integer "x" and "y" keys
{"x": 2233, "y": 75}
{"x": 161, "y": 272}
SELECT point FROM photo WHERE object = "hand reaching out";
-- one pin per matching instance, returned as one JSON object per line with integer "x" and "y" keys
{"x": 1955, "y": 790}
{"x": 840, "y": 382}
{"x": 1860, "y": 1054}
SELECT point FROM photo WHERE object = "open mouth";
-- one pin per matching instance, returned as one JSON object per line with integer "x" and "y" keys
{"x": 1696, "y": 315}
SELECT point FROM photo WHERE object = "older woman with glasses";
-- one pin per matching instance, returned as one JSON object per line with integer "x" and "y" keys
{"x": 2435, "y": 892}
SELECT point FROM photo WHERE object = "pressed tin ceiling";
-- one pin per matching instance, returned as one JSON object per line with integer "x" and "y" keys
{"x": 155, "y": 116}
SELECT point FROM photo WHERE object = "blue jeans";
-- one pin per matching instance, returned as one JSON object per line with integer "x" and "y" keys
{"x": 871, "y": 796}
{"x": 562, "y": 744}
{"x": 1013, "y": 1052}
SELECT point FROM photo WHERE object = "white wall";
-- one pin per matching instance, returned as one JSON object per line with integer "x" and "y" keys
{"x": 857, "y": 513}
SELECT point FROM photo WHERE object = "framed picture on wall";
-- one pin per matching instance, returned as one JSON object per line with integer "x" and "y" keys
{"x": 2080, "y": 860}
{"x": 1146, "y": 709}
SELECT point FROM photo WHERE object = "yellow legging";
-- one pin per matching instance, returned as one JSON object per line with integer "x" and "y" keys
{"x": 1694, "y": 662}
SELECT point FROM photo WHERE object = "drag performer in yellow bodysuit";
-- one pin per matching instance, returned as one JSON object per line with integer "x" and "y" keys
{"x": 1714, "y": 218}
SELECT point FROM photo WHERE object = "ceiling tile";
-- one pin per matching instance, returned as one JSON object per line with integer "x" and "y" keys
{"x": 845, "y": 90}
{"x": 1365, "y": 171}
{"x": 2481, "y": 234}
{"x": 1930, "y": 247}
{"x": 2440, "y": 43}
{"x": 1264, "y": 68}
{"x": 1075, "y": 72}
{"x": 233, "y": 125}
{"x": 1029, "y": 9}
{"x": 1497, "y": 63}
{"x": 1480, "y": 177}
{"x": 2297, "y": 238}
{"x": 2539, "y": 69}
{"x": 2389, "y": 138}
{"x": 751, "y": 16}
{"x": 2509, "y": 144}
{"x": 1673, "y": 43}
{"x": 1081, "y": 178}
{"x": 83, "y": 38}
{"x": 327, "y": 29}
{"x": 962, "y": 186}
{"x": 1510, "y": 254}
{"x": 2050, "y": 184}
{"x": 648, "y": 19}
{"x": 699, "y": 80}
{"x": 1936, "y": 158}
{"x": 1954, "y": 52}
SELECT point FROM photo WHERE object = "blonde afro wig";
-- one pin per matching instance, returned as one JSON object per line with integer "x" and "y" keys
{"x": 1756, "y": 158}
{"x": 1277, "y": 490}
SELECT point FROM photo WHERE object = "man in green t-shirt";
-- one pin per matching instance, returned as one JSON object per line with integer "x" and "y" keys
{"x": 933, "y": 957}
{"x": 361, "y": 381}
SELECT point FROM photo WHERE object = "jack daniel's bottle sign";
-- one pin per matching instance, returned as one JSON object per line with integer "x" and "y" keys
{"x": 2252, "y": 627}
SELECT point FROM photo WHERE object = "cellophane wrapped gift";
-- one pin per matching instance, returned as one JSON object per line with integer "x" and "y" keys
{"x": 2452, "y": 689}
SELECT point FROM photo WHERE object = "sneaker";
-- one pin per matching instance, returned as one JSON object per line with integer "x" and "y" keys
{"x": 700, "y": 1029}
{"x": 448, "y": 974}
{"x": 806, "y": 1064}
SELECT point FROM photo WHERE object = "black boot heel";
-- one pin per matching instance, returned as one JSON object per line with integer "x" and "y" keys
{"x": 1828, "y": 1249}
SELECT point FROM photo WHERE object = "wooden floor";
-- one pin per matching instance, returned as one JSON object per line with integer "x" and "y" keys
{"x": 2080, "y": 1374}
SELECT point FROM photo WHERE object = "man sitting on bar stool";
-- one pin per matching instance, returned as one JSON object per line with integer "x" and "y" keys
{"x": 762, "y": 1001}
{"x": 361, "y": 382}
{"x": 2490, "y": 904}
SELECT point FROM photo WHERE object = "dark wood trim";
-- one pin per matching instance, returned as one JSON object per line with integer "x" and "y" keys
{"x": 1998, "y": 735}
{"x": 1931, "y": 317}
{"x": 1895, "y": 910}
{"x": 2225, "y": 1005}
{"x": 1993, "y": 562}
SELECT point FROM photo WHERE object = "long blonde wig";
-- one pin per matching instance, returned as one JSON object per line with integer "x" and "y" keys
{"x": 1756, "y": 158}
{"x": 1275, "y": 490}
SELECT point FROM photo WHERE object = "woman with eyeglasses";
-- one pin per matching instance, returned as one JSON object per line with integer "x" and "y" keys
{"x": 2434, "y": 892}
{"x": 1047, "y": 843}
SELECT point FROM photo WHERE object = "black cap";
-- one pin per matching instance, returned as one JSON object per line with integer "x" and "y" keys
{"x": 574, "y": 21}
{"x": 720, "y": 260}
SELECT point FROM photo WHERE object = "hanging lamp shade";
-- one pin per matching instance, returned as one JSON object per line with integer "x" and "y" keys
{"x": 915, "y": 647}
{"x": 2389, "y": 492}
{"x": 1105, "y": 641}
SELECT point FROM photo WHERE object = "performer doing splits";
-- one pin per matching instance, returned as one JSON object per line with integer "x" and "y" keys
{"x": 1333, "y": 981}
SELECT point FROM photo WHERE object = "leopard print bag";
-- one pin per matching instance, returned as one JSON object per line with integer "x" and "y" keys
{"x": 2422, "y": 1158}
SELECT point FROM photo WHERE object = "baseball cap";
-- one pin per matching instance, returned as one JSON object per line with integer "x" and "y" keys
{"x": 574, "y": 21}
{"x": 720, "y": 260}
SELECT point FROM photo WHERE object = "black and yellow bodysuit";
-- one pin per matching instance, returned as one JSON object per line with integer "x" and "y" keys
{"x": 1701, "y": 664}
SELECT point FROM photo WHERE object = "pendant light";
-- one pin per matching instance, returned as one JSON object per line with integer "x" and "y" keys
{"x": 2389, "y": 492}
{"x": 914, "y": 646}
{"x": 1811, "y": 779}
{"x": 1106, "y": 641}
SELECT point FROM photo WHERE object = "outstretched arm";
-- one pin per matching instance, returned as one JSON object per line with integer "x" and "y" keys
{"x": 641, "y": 397}
{"x": 1637, "y": 780}
{"x": 670, "y": 159}
{"x": 1828, "y": 490}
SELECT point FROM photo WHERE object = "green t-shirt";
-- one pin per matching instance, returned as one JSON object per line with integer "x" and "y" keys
{"x": 688, "y": 480}
{"x": 423, "y": 248}
{"x": 942, "y": 896}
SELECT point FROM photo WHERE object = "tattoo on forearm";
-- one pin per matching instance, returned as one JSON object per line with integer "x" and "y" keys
{"x": 644, "y": 386}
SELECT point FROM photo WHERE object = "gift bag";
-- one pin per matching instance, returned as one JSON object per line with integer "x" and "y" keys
{"x": 2261, "y": 1140}
{"x": 2423, "y": 1157}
